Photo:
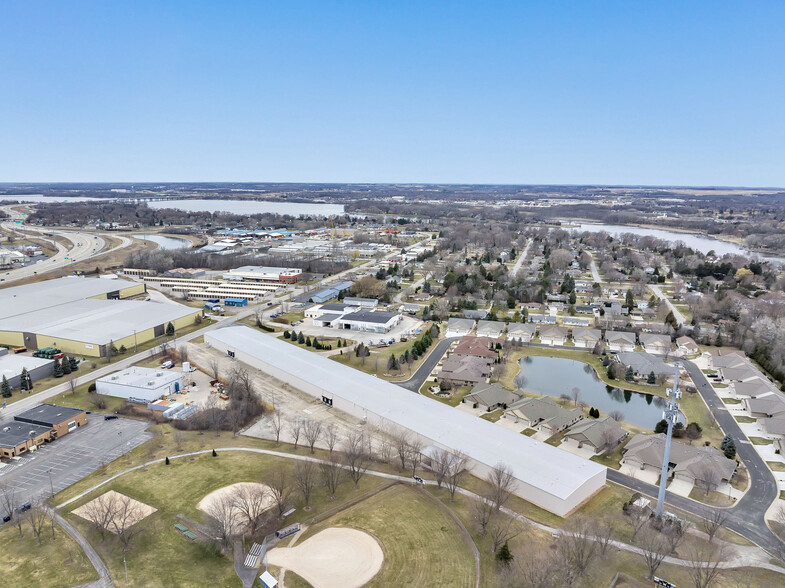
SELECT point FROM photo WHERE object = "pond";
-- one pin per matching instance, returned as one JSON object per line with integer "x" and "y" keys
{"x": 166, "y": 242}
{"x": 556, "y": 376}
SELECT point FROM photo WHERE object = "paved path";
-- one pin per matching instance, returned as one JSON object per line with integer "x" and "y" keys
{"x": 736, "y": 562}
{"x": 521, "y": 257}
{"x": 676, "y": 312}
{"x": 426, "y": 367}
{"x": 104, "y": 577}
{"x": 595, "y": 274}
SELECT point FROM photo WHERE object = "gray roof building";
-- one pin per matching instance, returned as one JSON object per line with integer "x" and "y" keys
{"x": 644, "y": 363}
{"x": 601, "y": 434}
{"x": 654, "y": 343}
{"x": 493, "y": 329}
{"x": 521, "y": 331}
{"x": 490, "y": 396}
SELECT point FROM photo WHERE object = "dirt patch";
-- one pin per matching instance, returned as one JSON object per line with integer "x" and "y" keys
{"x": 337, "y": 557}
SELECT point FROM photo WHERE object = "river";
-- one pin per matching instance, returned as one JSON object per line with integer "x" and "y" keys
{"x": 165, "y": 242}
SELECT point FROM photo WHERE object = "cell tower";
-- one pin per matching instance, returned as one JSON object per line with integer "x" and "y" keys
{"x": 670, "y": 414}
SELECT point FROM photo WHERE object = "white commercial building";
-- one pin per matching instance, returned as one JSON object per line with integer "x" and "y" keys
{"x": 369, "y": 321}
{"x": 141, "y": 384}
{"x": 258, "y": 273}
{"x": 552, "y": 479}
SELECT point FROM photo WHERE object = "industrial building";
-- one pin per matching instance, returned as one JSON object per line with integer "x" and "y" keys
{"x": 17, "y": 438}
{"x": 204, "y": 289}
{"x": 12, "y": 364}
{"x": 552, "y": 479}
{"x": 60, "y": 419}
{"x": 272, "y": 275}
{"x": 85, "y": 316}
{"x": 140, "y": 384}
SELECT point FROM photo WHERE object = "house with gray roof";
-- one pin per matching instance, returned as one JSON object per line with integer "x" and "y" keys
{"x": 459, "y": 327}
{"x": 492, "y": 329}
{"x": 767, "y": 406}
{"x": 464, "y": 370}
{"x": 753, "y": 387}
{"x": 620, "y": 340}
{"x": 541, "y": 319}
{"x": 645, "y": 363}
{"x": 479, "y": 313}
{"x": 553, "y": 335}
{"x": 491, "y": 396}
{"x": 654, "y": 343}
{"x": 687, "y": 345}
{"x": 543, "y": 413}
{"x": 523, "y": 332}
{"x": 576, "y": 321}
{"x": 586, "y": 338}
{"x": 601, "y": 434}
{"x": 740, "y": 373}
{"x": 693, "y": 463}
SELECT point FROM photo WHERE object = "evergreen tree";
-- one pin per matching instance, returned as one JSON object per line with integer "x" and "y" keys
{"x": 301, "y": 338}
{"x": 316, "y": 344}
{"x": 308, "y": 341}
{"x": 25, "y": 381}
{"x": 573, "y": 297}
{"x": 652, "y": 378}
{"x": 58, "y": 369}
{"x": 661, "y": 427}
{"x": 629, "y": 301}
{"x": 123, "y": 349}
{"x": 504, "y": 556}
{"x": 287, "y": 335}
{"x": 339, "y": 343}
{"x": 629, "y": 375}
{"x": 730, "y": 449}
{"x": 166, "y": 461}
{"x": 5, "y": 387}
{"x": 66, "y": 366}
{"x": 724, "y": 442}
{"x": 74, "y": 363}
{"x": 170, "y": 330}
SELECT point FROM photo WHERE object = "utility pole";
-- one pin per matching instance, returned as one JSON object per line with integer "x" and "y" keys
{"x": 125, "y": 565}
{"x": 670, "y": 414}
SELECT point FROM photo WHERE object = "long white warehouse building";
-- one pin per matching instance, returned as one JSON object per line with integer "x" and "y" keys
{"x": 548, "y": 477}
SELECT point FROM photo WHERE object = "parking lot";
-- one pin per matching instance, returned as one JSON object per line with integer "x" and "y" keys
{"x": 59, "y": 464}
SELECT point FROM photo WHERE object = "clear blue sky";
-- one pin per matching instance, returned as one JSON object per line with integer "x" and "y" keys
{"x": 605, "y": 92}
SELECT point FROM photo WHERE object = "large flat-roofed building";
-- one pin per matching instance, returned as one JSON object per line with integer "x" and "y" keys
{"x": 258, "y": 273}
{"x": 17, "y": 438}
{"x": 369, "y": 321}
{"x": 83, "y": 316}
{"x": 139, "y": 384}
{"x": 12, "y": 364}
{"x": 552, "y": 479}
{"x": 61, "y": 419}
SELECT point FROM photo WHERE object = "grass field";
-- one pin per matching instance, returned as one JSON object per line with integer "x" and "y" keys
{"x": 422, "y": 545}
{"x": 731, "y": 400}
{"x": 776, "y": 466}
{"x": 761, "y": 441}
{"x": 696, "y": 411}
{"x": 58, "y": 561}
{"x": 745, "y": 419}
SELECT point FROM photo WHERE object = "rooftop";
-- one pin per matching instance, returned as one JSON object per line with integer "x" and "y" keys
{"x": 49, "y": 413}
{"x": 13, "y": 433}
{"x": 11, "y": 364}
{"x": 368, "y": 316}
{"x": 538, "y": 464}
{"x": 142, "y": 377}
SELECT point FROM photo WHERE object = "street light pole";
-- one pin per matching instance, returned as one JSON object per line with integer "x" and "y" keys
{"x": 670, "y": 414}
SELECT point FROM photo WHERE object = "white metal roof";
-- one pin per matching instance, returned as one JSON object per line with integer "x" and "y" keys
{"x": 143, "y": 377}
{"x": 11, "y": 364}
{"x": 538, "y": 464}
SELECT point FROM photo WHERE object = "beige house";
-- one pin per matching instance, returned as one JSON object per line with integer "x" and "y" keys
{"x": 553, "y": 335}
{"x": 620, "y": 340}
{"x": 543, "y": 414}
{"x": 586, "y": 338}
{"x": 601, "y": 434}
{"x": 523, "y": 332}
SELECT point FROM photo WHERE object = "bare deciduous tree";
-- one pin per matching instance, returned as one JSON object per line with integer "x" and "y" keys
{"x": 703, "y": 565}
{"x": 250, "y": 503}
{"x": 281, "y": 490}
{"x": 126, "y": 520}
{"x": 221, "y": 515}
{"x": 714, "y": 522}
{"x": 214, "y": 367}
{"x": 532, "y": 568}
{"x": 9, "y": 503}
{"x": 710, "y": 477}
{"x": 503, "y": 528}
{"x": 637, "y": 518}
{"x": 296, "y": 429}
{"x": 575, "y": 394}
{"x": 455, "y": 471}
{"x": 502, "y": 483}
{"x": 603, "y": 533}
{"x": 674, "y": 533}
{"x": 331, "y": 437}
{"x": 616, "y": 415}
{"x": 277, "y": 422}
{"x": 312, "y": 430}
{"x": 439, "y": 464}
{"x": 384, "y": 448}
{"x": 655, "y": 548}
{"x": 483, "y": 509}
{"x": 356, "y": 456}
{"x": 331, "y": 472}
{"x": 36, "y": 515}
{"x": 305, "y": 478}
{"x": 183, "y": 352}
{"x": 414, "y": 453}
{"x": 99, "y": 512}
{"x": 401, "y": 442}
{"x": 577, "y": 548}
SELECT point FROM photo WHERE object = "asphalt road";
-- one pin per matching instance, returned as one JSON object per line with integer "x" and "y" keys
{"x": 676, "y": 312}
{"x": 747, "y": 517}
{"x": 426, "y": 367}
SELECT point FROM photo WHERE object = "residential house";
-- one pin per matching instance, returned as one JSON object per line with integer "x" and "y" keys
{"x": 465, "y": 370}
{"x": 687, "y": 345}
{"x": 523, "y": 332}
{"x": 577, "y": 321}
{"x": 620, "y": 340}
{"x": 692, "y": 463}
{"x": 541, "y": 319}
{"x": 459, "y": 327}
{"x": 493, "y": 329}
{"x": 586, "y": 338}
{"x": 491, "y": 396}
{"x": 480, "y": 313}
{"x": 543, "y": 413}
{"x": 740, "y": 373}
{"x": 654, "y": 343}
{"x": 600, "y": 434}
{"x": 767, "y": 406}
{"x": 753, "y": 387}
{"x": 553, "y": 335}
{"x": 477, "y": 347}
{"x": 643, "y": 364}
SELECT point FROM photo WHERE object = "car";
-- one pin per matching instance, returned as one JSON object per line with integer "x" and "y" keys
{"x": 6, "y": 518}
{"x": 25, "y": 507}
{"x": 418, "y": 479}
{"x": 111, "y": 417}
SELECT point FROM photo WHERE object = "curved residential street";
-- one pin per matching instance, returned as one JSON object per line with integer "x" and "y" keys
{"x": 426, "y": 367}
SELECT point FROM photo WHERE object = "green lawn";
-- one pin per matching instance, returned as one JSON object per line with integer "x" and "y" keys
{"x": 761, "y": 441}
{"x": 193, "y": 478}
{"x": 58, "y": 561}
{"x": 696, "y": 411}
{"x": 745, "y": 419}
{"x": 492, "y": 416}
{"x": 731, "y": 401}
{"x": 422, "y": 545}
{"x": 776, "y": 466}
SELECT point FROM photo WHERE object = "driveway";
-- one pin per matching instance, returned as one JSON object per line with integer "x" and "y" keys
{"x": 680, "y": 487}
{"x": 426, "y": 367}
